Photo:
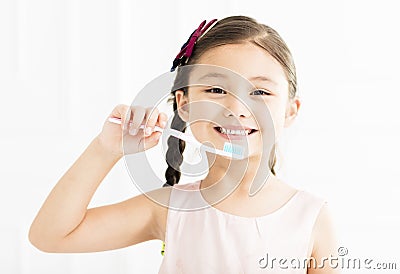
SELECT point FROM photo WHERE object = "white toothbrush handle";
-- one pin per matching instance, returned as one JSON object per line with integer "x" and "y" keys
{"x": 184, "y": 137}
{"x": 171, "y": 131}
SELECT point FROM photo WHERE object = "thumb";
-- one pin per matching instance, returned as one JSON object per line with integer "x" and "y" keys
{"x": 151, "y": 141}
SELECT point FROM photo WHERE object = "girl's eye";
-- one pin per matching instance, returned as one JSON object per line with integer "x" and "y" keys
{"x": 260, "y": 92}
{"x": 216, "y": 90}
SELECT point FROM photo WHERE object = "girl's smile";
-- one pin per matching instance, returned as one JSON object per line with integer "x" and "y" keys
{"x": 232, "y": 132}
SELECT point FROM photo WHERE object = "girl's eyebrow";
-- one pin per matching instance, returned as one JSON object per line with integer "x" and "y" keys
{"x": 213, "y": 75}
{"x": 262, "y": 79}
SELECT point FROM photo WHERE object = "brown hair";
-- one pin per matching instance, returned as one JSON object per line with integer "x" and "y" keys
{"x": 230, "y": 30}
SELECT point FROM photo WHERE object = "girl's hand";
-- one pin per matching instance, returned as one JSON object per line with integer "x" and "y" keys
{"x": 134, "y": 139}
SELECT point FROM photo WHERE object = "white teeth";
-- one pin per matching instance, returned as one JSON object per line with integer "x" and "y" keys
{"x": 234, "y": 132}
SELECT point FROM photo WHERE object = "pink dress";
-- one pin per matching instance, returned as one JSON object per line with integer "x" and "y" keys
{"x": 212, "y": 241}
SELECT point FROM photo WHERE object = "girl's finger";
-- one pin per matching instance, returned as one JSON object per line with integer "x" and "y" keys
{"x": 138, "y": 114}
{"x": 126, "y": 118}
{"x": 151, "y": 141}
{"x": 162, "y": 119}
{"x": 151, "y": 117}
{"x": 118, "y": 111}
{"x": 121, "y": 112}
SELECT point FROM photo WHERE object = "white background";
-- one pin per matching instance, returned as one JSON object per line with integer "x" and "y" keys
{"x": 64, "y": 65}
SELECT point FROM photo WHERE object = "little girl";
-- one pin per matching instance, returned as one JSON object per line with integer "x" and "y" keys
{"x": 274, "y": 231}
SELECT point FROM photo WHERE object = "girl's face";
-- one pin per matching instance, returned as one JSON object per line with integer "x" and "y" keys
{"x": 264, "y": 85}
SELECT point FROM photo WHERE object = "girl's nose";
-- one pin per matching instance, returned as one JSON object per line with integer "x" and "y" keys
{"x": 235, "y": 107}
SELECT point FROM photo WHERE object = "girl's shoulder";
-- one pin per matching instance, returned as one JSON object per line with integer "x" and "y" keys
{"x": 159, "y": 207}
{"x": 319, "y": 218}
{"x": 288, "y": 190}
{"x": 161, "y": 201}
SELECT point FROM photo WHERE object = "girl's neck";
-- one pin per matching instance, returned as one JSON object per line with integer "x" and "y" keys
{"x": 237, "y": 176}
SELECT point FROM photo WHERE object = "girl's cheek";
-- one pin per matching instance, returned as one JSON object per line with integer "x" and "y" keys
{"x": 205, "y": 111}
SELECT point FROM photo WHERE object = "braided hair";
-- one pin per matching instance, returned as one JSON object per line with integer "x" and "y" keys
{"x": 175, "y": 150}
{"x": 176, "y": 146}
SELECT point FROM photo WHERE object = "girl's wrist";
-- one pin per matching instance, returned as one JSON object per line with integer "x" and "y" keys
{"x": 104, "y": 152}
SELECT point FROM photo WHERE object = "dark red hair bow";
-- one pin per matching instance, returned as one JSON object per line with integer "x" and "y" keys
{"x": 187, "y": 48}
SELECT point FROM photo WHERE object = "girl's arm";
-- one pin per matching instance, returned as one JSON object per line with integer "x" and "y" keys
{"x": 64, "y": 224}
{"x": 325, "y": 245}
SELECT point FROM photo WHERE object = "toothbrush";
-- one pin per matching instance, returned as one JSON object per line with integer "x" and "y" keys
{"x": 229, "y": 150}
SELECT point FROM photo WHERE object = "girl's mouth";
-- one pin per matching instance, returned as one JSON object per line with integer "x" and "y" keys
{"x": 230, "y": 133}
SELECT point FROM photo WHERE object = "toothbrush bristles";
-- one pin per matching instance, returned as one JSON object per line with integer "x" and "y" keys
{"x": 234, "y": 149}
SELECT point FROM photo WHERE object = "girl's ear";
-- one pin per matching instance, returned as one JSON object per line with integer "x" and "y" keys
{"x": 292, "y": 109}
{"x": 182, "y": 105}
